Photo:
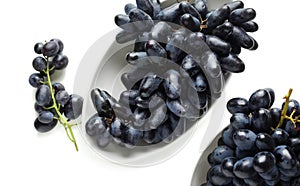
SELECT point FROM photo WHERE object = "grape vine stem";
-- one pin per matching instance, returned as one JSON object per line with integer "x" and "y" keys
{"x": 62, "y": 120}
{"x": 284, "y": 110}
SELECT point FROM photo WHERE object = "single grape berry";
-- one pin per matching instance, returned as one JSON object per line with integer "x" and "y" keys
{"x": 38, "y": 47}
{"x": 60, "y": 61}
{"x": 50, "y": 49}
{"x": 39, "y": 64}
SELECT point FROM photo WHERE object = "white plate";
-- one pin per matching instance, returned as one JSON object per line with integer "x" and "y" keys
{"x": 101, "y": 67}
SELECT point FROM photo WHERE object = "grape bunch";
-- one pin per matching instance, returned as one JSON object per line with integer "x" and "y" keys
{"x": 261, "y": 144}
{"x": 182, "y": 54}
{"x": 53, "y": 103}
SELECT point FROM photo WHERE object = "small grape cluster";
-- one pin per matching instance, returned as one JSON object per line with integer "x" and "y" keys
{"x": 261, "y": 144}
{"x": 53, "y": 103}
{"x": 181, "y": 55}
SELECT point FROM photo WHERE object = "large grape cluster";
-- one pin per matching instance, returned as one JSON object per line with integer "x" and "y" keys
{"x": 181, "y": 56}
{"x": 261, "y": 144}
{"x": 53, "y": 103}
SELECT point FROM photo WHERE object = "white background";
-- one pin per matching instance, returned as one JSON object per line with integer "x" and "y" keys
{"x": 28, "y": 158}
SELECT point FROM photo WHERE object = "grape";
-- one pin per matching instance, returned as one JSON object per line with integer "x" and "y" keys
{"x": 285, "y": 157}
{"x": 238, "y": 105}
{"x": 240, "y": 121}
{"x": 244, "y": 168}
{"x": 216, "y": 176}
{"x": 170, "y": 14}
{"x": 176, "y": 107}
{"x": 227, "y": 166}
{"x": 280, "y": 136}
{"x": 45, "y": 117}
{"x": 38, "y": 48}
{"x": 293, "y": 105}
{"x": 137, "y": 58}
{"x": 235, "y": 5}
{"x": 244, "y": 139}
{"x": 201, "y": 7}
{"x": 249, "y": 26}
{"x": 51, "y": 49}
{"x": 43, "y": 95}
{"x": 264, "y": 161}
{"x": 44, "y": 127}
{"x": 221, "y": 152}
{"x": 241, "y": 38}
{"x": 222, "y": 48}
{"x": 155, "y": 51}
{"x": 149, "y": 84}
{"x": 39, "y": 63}
{"x": 60, "y": 44}
{"x": 140, "y": 116}
{"x": 73, "y": 108}
{"x": 265, "y": 142}
{"x": 172, "y": 84}
{"x": 242, "y": 15}
{"x": 57, "y": 87}
{"x": 261, "y": 120}
{"x": 60, "y": 61}
{"x": 161, "y": 32}
{"x": 95, "y": 125}
{"x": 217, "y": 17}
{"x": 104, "y": 139}
{"x": 125, "y": 36}
{"x": 141, "y": 19}
{"x": 146, "y": 6}
{"x": 200, "y": 83}
{"x": 62, "y": 97}
{"x": 102, "y": 105}
{"x": 35, "y": 80}
{"x": 133, "y": 136}
{"x": 260, "y": 99}
{"x": 223, "y": 31}
{"x": 116, "y": 128}
{"x": 128, "y": 7}
{"x": 232, "y": 63}
{"x": 190, "y": 22}
{"x": 227, "y": 137}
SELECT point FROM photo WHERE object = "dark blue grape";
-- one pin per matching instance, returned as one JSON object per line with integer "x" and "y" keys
{"x": 290, "y": 128}
{"x": 60, "y": 44}
{"x": 164, "y": 133}
{"x": 216, "y": 177}
{"x": 139, "y": 45}
{"x": 124, "y": 22}
{"x": 275, "y": 115}
{"x": 39, "y": 64}
{"x": 249, "y": 26}
{"x": 217, "y": 45}
{"x": 260, "y": 99}
{"x": 199, "y": 82}
{"x": 190, "y": 22}
{"x": 223, "y": 31}
{"x": 155, "y": 51}
{"x": 43, "y": 95}
{"x": 244, "y": 139}
{"x": 264, "y": 161}
{"x": 60, "y": 62}
{"x": 35, "y": 80}
{"x": 104, "y": 139}
{"x": 149, "y": 85}
{"x": 232, "y": 63}
{"x": 261, "y": 120}
{"x": 222, "y": 152}
{"x": 280, "y": 136}
{"x": 140, "y": 19}
{"x": 172, "y": 84}
{"x": 38, "y": 48}
{"x": 238, "y": 105}
{"x": 146, "y": 6}
{"x": 96, "y": 125}
{"x": 128, "y": 97}
{"x": 241, "y": 38}
{"x": 176, "y": 107}
{"x": 235, "y": 48}
{"x": 201, "y": 7}
{"x": 242, "y": 15}
{"x": 73, "y": 108}
{"x": 116, "y": 128}
{"x": 293, "y": 172}
{"x": 170, "y": 14}
{"x": 133, "y": 136}
{"x": 128, "y": 7}
{"x": 45, "y": 117}
{"x": 57, "y": 87}
{"x": 174, "y": 47}
{"x": 62, "y": 97}
{"x": 235, "y": 5}
{"x": 50, "y": 49}
{"x": 190, "y": 66}
{"x": 265, "y": 142}
{"x": 217, "y": 17}
{"x": 44, "y": 127}
{"x": 227, "y": 136}
{"x": 294, "y": 143}
{"x": 140, "y": 116}
{"x": 244, "y": 168}
{"x": 272, "y": 95}
{"x": 38, "y": 108}
{"x": 102, "y": 105}
{"x": 187, "y": 7}
{"x": 272, "y": 174}
{"x": 240, "y": 121}
{"x": 227, "y": 166}
{"x": 137, "y": 58}
{"x": 158, "y": 116}
{"x": 293, "y": 105}
{"x": 285, "y": 157}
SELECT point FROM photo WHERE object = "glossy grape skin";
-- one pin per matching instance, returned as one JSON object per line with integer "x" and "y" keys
{"x": 235, "y": 5}
{"x": 60, "y": 61}
{"x": 50, "y": 49}
{"x": 102, "y": 105}
{"x": 44, "y": 127}
{"x": 261, "y": 120}
{"x": 137, "y": 58}
{"x": 172, "y": 84}
{"x": 264, "y": 161}
{"x": 244, "y": 168}
{"x": 153, "y": 48}
{"x": 133, "y": 136}
{"x": 293, "y": 104}
{"x": 232, "y": 63}
{"x": 280, "y": 136}
{"x": 146, "y": 6}
{"x": 60, "y": 44}
{"x": 221, "y": 152}
{"x": 73, "y": 107}
{"x": 201, "y": 7}
{"x": 96, "y": 125}
{"x": 242, "y": 15}
{"x": 157, "y": 117}
{"x": 217, "y": 45}
{"x": 272, "y": 95}
{"x": 170, "y": 14}
{"x": 238, "y": 105}
{"x": 128, "y": 7}
{"x": 43, "y": 95}
{"x": 39, "y": 63}
{"x": 57, "y": 87}
{"x": 294, "y": 143}
{"x": 290, "y": 128}
{"x": 272, "y": 174}
{"x": 62, "y": 97}
{"x": 275, "y": 115}
{"x": 285, "y": 157}
{"x": 190, "y": 66}
{"x": 223, "y": 31}
{"x": 241, "y": 38}
{"x": 265, "y": 142}
{"x": 249, "y": 26}
{"x": 216, "y": 177}
{"x": 174, "y": 48}
{"x": 149, "y": 85}
{"x": 190, "y": 22}
{"x": 199, "y": 82}
{"x": 244, "y": 139}
{"x": 176, "y": 107}
{"x": 227, "y": 166}
{"x": 217, "y": 17}
{"x": 35, "y": 80}
{"x": 38, "y": 48}
{"x": 104, "y": 139}
{"x": 240, "y": 121}
{"x": 141, "y": 19}
{"x": 188, "y": 8}
{"x": 45, "y": 117}
{"x": 260, "y": 99}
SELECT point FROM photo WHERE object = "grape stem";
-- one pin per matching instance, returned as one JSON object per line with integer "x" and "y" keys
{"x": 62, "y": 120}
{"x": 284, "y": 111}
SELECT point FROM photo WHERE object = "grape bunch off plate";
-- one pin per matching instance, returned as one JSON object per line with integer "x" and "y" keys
{"x": 102, "y": 67}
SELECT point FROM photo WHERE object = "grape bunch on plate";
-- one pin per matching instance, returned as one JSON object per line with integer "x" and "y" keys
{"x": 181, "y": 57}
{"x": 261, "y": 146}
{"x": 53, "y": 103}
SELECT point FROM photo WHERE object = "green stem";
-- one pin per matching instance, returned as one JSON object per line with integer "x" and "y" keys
{"x": 61, "y": 118}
